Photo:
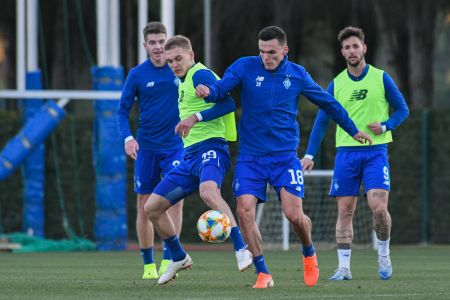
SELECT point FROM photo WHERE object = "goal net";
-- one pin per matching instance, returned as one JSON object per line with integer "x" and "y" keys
{"x": 277, "y": 233}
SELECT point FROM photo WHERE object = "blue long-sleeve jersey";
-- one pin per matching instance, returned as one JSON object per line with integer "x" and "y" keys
{"x": 268, "y": 125}
{"x": 223, "y": 106}
{"x": 393, "y": 96}
{"x": 156, "y": 90}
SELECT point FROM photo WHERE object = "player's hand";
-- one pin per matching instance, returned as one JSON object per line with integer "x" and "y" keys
{"x": 375, "y": 128}
{"x": 184, "y": 126}
{"x": 307, "y": 164}
{"x": 362, "y": 138}
{"x": 131, "y": 148}
{"x": 202, "y": 91}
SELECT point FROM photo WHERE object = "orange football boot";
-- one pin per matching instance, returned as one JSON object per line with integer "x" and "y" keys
{"x": 264, "y": 281}
{"x": 310, "y": 270}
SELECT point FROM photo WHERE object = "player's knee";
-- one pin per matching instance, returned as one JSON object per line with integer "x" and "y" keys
{"x": 294, "y": 217}
{"x": 380, "y": 211}
{"x": 346, "y": 213}
{"x": 141, "y": 200}
{"x": 245, "y": 213}
{"x": 210, "y": 194}
{"x": 151, "y": 208}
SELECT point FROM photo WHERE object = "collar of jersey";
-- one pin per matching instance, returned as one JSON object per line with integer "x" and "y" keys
{"x": 281, "y": 66}
{"x": 360, "y": 77}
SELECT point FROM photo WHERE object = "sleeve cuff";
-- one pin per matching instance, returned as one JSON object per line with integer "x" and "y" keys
{"x": 383, "y": 128}
{"x": 199, "y": 116}
{"x": 129, "y": 138}
{"x": 309, "y": 156}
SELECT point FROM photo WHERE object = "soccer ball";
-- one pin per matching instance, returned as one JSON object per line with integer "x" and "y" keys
{"x": 214, "y": 226}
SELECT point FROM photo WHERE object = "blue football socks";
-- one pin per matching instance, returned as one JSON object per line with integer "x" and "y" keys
{"x": 175, "y": 248}
{"x": 166, "y": 252}
{"x": 147, "y": 255}
{"x": 308, "y": 250}
{"x": 260, "y": 264}
{"x": 236, "y": 237}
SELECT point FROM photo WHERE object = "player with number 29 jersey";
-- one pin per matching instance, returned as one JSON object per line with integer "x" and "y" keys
{"x": 206, "y": 150}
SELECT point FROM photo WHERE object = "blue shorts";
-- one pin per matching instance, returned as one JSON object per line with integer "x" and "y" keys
{"x": 211, "y": 163}
{"x": 253, "y": 173}
{"x": 351, "y": 167}
{"x": 149, "y": 166}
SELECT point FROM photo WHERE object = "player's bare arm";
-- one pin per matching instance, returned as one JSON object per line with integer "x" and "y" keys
{"x": 202, "y": 91}
{"x": 376, "y": 128}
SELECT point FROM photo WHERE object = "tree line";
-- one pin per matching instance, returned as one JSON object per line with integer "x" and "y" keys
{"x": 401, "y": 37}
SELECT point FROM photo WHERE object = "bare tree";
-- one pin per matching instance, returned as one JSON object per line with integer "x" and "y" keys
{"x": 409, "y": 28}
{"x": 421, "y": 29}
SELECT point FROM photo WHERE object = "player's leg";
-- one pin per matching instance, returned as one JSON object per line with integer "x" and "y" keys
{"x": 344, "y": 236}
{"x": 377, "y": 184}
{"x": 176, "y": 214}
{"x": 168, "y": 161}
{"x": 246, "y": 211}
{"x": 286, "y": 176}
{"x": 211, "y": 174}
{"x": 177, "y": 184}
{"x": 249, "y": 187}
{"x": 156, "y": 208}
{"x": 146, "y": 177}
{"x": 144, "y": 230}
{"x": 345, "y": 188}
{"x": 293, "y": 210}
{"x": 378, "y": 203}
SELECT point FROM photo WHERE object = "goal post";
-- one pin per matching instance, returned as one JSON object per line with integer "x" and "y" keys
{"x": 322, "y": 210}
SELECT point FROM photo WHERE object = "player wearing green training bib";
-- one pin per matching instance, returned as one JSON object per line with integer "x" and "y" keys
{"x": 206, "y": 159}
{"x": 188, "y": 104}
{"x": 366, "y": 93}
{"x": 352, "y": 95}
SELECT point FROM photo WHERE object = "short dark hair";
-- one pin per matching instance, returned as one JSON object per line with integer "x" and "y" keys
{"x": 178, "y": 41}
{"x": 154, "y": 28}
{"x": 273, "y": 32}
{"x": 350, "y": 31}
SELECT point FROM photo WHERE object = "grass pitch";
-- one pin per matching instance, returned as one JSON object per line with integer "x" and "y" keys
{"x": 419, "y": 273}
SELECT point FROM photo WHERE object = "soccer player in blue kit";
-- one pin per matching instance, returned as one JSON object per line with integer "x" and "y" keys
{"x": 156, "y": 149}
{"x": 366, "y": 93}
{"x": 268, "y": 140}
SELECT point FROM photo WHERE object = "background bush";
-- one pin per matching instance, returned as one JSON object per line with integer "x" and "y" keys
{"x": 74, "y": 135}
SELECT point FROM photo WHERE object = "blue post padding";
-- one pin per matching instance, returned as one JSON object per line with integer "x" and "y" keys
{"x": 34, "y": 133}
{"x": 111, "y": 214}
{"x": 111, "y": 230}
{"x": 33, "y": 220}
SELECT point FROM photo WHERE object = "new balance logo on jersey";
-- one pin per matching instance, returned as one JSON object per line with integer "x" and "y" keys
{"x": 358, "y": 95}
{"x": 259, "y": 80}
{"x": 150, "y": 84}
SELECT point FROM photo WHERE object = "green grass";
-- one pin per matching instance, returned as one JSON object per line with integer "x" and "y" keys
{"x": 419, "y": 273}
